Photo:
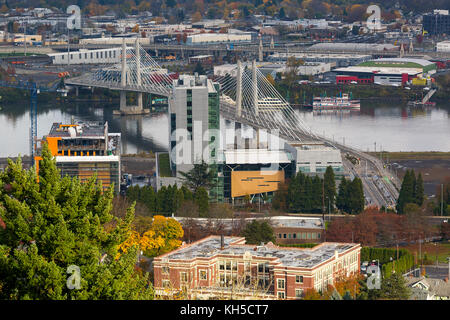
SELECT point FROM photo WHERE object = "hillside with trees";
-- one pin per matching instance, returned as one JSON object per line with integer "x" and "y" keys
{"x": 177, "y": 10}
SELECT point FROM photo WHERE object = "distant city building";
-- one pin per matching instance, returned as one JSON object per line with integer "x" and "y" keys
{"x": 335, "y": 59}
{"x": 226, "y": 267}
{"x": 357, "y": 47}
{"x": 84, "y": 149}
{"x": 217, "y": 38}
{"x": 388, "y": 71}
{"x": 437, "y": 22}
{"x": 443, "y": 46}
{"x": 116, "y": 40}
{"x": 83, "y": 56}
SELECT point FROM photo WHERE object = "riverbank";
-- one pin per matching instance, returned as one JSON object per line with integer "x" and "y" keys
{"x": 433, "y": 166}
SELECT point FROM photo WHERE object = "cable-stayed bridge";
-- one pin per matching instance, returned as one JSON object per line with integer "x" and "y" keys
{"x": 246, "y": 97}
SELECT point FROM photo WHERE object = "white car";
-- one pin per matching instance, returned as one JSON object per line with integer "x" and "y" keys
{"x": 353, "y": 82}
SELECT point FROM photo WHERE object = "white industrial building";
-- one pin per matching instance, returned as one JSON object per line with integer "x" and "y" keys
{"x": 443, "y": 46}
{"x": 309, "y": 68}
{"x": 115, "y": 41}
{"x": 211, "y": 38}
{"x": 110, "y": 55}
{"x": 314, "y": 158}
{"x": 335, "y": 59}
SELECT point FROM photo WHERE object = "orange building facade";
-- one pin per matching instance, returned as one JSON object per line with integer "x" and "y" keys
{"x": 84, "y": 149}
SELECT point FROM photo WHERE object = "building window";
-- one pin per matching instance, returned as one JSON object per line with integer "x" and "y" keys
{"x": 183, "y": 276}
{"x": 284, "y": 235}
{"x": 280, "y": 284}
{"x": 281, "y": 295}
{"x": 228, "y": 264}
{"x": 263, "y": 267}
{"x": 279, "y": 235}
{"x": 203, "y": 275}
{"x": 166, "y": 283}
{"x": 165, "y": 270}
{"x": 298, "y": 279}
{"x": 298, "y": 293}
{"x": 221, "y": 265}
{"x": 318, "y": 235}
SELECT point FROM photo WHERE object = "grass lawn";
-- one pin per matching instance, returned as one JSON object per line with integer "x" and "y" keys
{"x": 442, "y": 249}
{"x": 164, "y": 165}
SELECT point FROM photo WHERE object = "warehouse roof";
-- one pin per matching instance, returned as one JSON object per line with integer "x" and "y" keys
{"x": 380, "y": 70}
{"x": 404, "y": 62}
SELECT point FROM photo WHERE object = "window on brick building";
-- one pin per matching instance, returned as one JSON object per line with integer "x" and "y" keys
{"x": 228, "y": 265}
{"x": 165, "y": 270}
{"x": 298, "y": 293}
{"x": 284, "y": 235}
{"x": 221, "y": 265}
{"x": 281, "y": 295}
{"x": 298, "y": 279}
{"x": 279, "y": 235}
{"x": 183, "y": 276}
{"x": 280, "y": 284}
{"x": 166, "y": 283}
{"x": 203, "y": 275}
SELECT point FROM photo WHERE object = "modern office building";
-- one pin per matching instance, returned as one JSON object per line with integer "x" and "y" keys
{"x": 437, "y": 22}
{"x": 226, "y": 267}
{"x": 194, "y": 128}
{"x": 84, "y": 149}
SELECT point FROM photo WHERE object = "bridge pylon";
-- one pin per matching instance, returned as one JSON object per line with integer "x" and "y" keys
{"x": 125, "y": 75}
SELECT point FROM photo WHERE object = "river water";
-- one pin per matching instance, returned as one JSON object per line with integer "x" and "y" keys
{"x": 392, "y": 126}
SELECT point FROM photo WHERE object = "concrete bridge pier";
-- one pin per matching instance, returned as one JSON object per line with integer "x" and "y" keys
{"x": 124, "y": 109}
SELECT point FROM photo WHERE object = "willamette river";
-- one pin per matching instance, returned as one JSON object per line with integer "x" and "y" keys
{"x": 392, "y": 126}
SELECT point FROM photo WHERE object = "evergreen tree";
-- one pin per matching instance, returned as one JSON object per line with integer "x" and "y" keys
{"x": 342, "y": 197}
{"x": 256, "y": 232}
{"x": 187, "y": 194}
{"x": 202, "y": 201}
{"x": 356, "y": 196}
{"x": 406, "y": 194}
{"x": 52, "y": 223}
{"x": 394, "y": 288}
{"x": 329, "y": 187}
{"x": 160, "y": 199}
{"x": 199, "y": 176}
{"x": 419, "y": 190}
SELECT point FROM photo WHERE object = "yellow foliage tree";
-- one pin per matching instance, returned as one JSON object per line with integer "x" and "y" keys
{"x": 196, "y": 17}
{"x": 163, "y": 236}
{"x": 270, "y": 79}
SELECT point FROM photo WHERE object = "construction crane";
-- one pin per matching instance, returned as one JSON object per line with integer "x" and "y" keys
{"x": 34, "y": 90}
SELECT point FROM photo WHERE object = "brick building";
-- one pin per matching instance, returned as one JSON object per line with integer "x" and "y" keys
{"x": 291, "y": 230}
{"x": 225, "y": 266}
